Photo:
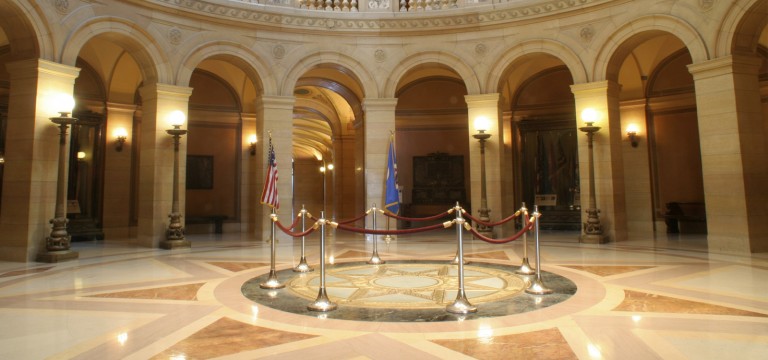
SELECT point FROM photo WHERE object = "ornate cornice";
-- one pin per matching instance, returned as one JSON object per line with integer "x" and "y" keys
{"x": 284, "y": 19}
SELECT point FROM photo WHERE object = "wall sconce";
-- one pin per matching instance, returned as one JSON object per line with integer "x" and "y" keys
{"x": 121, "y": 135}
{"x": 252, "y": 142}
{"x": 81, "y": 155}
{"x": 632, "y": 134}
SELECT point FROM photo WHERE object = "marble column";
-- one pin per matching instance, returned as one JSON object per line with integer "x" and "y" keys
{"x": 602, "y": 96}
{"x": 379, "y": 124}
{"x": 733, "y": 153}
{"x": 275, "y": 116}
{"x": 31, "y": 156}
{"x": 486, "y": 105}
{"x": 117, "y": 172}
{"x": 156, "y": 160}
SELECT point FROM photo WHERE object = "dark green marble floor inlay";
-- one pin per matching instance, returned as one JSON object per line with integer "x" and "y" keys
{"x": 409, "y": 291}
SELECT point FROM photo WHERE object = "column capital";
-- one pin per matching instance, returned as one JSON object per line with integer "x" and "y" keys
{"x": 596, "y": 88}
{"x": 165, "y": 92}
{"x": 128, "y": 109}
{"x": 482, "y": 100}
{"x": 277, "y": 102}
{"x": 22, "y": 68}
{"x": 379, "y": 104}
{"x": 745, "y": 64}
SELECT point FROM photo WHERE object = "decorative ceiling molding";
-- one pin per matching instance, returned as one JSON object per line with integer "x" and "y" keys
{"x": 284, "y": 18}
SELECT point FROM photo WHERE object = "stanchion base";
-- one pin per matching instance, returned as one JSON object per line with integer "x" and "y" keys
{"x": 455, "y": 260}
{"x": 525, "y": 268}
{"x": 593, "y": 239}
{"x": 322, "y": 303}
{"x": 175, "y": 244}
{"x": 303, "y": 267}
{"x": 272, "y": 282}
{"x": 537, "y": 287}
{"x": 461, "y": 306}
{"x": 57, "y": 256}
{"x": 376, "y": 260}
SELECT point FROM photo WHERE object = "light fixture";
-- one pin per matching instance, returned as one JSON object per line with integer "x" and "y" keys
{"x": 252, "y": 142}
{"x": 57, "y": 244}
{"x": 482, "y": 124}
{"x": 590, "y": 116}
{"x": 593, "y": 230}
{"x": 632, "y": 134}
{"x": 121, "y": 135}
{"x": 81, "y": 155}
{"x": 174, "y": 234}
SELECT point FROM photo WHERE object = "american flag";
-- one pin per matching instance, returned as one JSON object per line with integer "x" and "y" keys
{"x": 269, "y": 194}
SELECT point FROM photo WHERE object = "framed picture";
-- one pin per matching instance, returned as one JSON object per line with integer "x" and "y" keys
{"x": 199, "y": 172}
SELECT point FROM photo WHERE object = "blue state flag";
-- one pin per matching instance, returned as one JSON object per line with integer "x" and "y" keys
{"x": 392, "y": 196}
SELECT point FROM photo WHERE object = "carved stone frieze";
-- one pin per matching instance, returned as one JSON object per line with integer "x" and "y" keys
{"x": 246, "y": 11}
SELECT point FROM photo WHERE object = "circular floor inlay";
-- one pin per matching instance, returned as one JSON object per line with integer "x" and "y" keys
{"x": 405, "y": 291}
{"x": 405, "y": 282}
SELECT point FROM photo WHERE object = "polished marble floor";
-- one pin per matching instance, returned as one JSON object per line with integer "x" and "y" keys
{"x": 662, "y": 298}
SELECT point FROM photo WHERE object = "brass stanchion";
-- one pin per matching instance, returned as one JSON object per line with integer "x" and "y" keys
{"x": 461, "y": 305}
{"x": 322, "y": 303}
{"x": 387, "y": 238}
{"x": 272, "y": 282}
{"x": 375, "y": 259}
{"x": 456, "y": 257}
{"x": 525, "y": 267}
{"x": 303, "y": 267}
{"x": 537, "y": 286}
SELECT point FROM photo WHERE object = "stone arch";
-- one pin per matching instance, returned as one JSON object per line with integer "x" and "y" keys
{"x": 618, "y": 45}
{"x": 356, "y": 70}
{"x": 153, "y": 63}
{"x": 543, "y": 46}
{"x": 25, "y": 28}
{"x": 237, "y": 54}
{"x": 471, "y": 81}
{"x": 741, "y": 27}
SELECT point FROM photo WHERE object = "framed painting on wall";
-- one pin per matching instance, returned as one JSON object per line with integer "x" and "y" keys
{"x": 199, "y": 172}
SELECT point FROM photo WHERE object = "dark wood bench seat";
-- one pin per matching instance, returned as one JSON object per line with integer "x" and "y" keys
{"x": 216, "y": 220}
{"x": 686, "y": 217}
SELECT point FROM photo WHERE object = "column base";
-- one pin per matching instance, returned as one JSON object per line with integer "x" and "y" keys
{"x": 175, "y": 244}
{"x": 486, "y": 233}
{"x": 593, "y": 239}
{"x": 57, "y": 256}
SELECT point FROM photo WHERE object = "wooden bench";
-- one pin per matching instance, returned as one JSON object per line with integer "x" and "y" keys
{"x": 686, "y": 218}
{"x": 216, "y": 220}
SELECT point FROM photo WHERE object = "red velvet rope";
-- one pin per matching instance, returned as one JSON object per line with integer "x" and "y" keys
{"x": 490, "y": 224}
{"x": 295, "y": 222}
{"x": 434, "y": 217}
{"x": 288, "y": 230}
{"x": 352, "y": 220}
{"x": 502, "y": 241}
{"x": 389, "y": 232}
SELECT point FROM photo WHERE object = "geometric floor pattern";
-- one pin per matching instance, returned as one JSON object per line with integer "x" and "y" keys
{"x": 647, "y": 298}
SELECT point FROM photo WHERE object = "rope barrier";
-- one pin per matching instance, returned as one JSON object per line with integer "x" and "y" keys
{"x": 446, "y": 225}
{"x": 428, "y": 218}
{"x": 490, "y": 224}
{"x": 477, "y": 235}
{"x": 293, "y": 234}
{"x": 353, "y": 220}
{"x": 295, "y": 222}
